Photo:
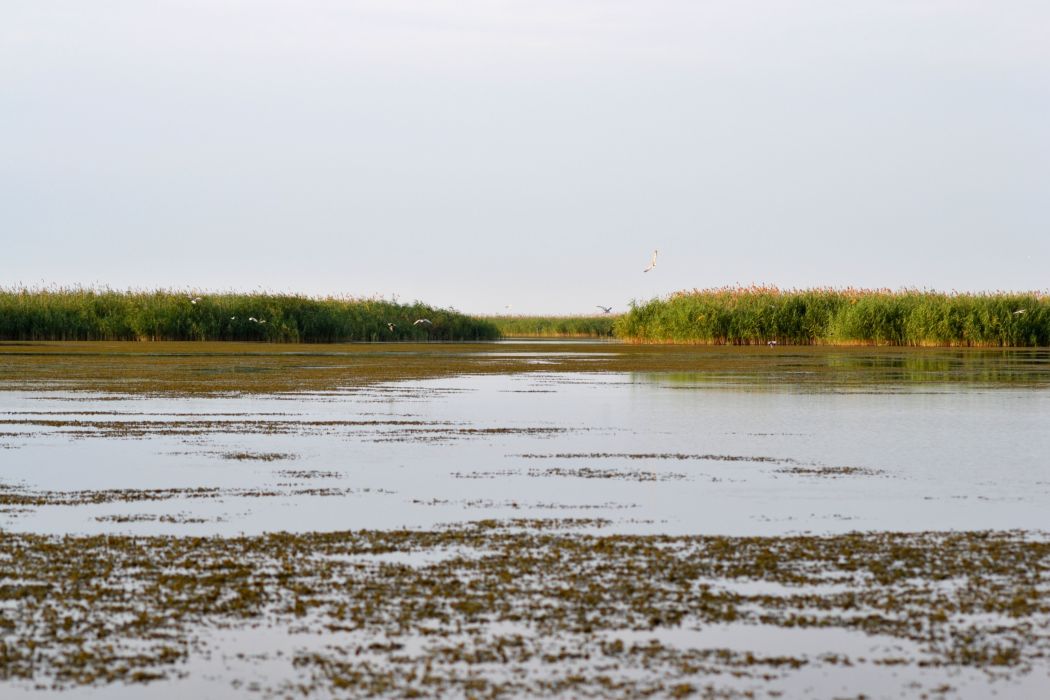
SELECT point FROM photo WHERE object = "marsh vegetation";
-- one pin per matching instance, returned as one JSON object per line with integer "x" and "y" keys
{"x": 102, "y": 314}
{"x": 592, "y": 326}
{"x": 757, "y": 315}
{"x": 731, "y": 316}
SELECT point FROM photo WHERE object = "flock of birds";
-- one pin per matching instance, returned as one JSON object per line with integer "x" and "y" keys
{"x": 252, "y": 319}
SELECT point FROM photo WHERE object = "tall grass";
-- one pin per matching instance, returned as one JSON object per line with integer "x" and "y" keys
{"x": 94, "y": 314}
{"x": 759, "y": 314}
{"x": 554, "y": 326}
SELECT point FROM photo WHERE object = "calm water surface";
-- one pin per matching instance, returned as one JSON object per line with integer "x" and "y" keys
{"x": 756, "y": 453}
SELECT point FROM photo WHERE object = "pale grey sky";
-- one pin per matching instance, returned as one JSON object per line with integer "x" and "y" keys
{"x": 479, "y": 154}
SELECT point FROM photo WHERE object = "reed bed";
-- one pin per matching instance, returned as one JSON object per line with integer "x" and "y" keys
{"x": 908, "y": 317}
{"x": 554, "y": 326}
{"x": 94, "y": 314}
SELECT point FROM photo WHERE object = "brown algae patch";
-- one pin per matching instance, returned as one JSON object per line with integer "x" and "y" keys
{"x": 519, "y": 607}
{"x": 23, "y": 497}
{"x": 596, "y": 473}
{"x": 80, "y": 428}
{"x": 308, "y": 474}
{"x": 176, "y": 519}
{"x": 445, "y": 435}
{"x": 374, "y": 430}
{"x": 258, "y": 456}
{"x": 831, "y": 472}
{"x": 574, "y": 472}
{"x": 233, "y": 368}
{"x": 658, "y": 455}
{"x": 489, "y": 504}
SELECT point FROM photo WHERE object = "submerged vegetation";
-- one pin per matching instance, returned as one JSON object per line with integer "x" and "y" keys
{"x": 187, "y": 369}
{"x": 554, "y": 326}
{"x": 522, "y": 607}
{"x": 757, "y": 315}
{"x": 90, "y": 314}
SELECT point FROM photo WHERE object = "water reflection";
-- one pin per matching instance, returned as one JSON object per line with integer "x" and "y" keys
{"x": 810, "y": 369}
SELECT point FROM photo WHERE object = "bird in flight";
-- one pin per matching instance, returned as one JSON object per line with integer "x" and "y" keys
{"x": 772, "y": 343}
{"x": 422, "y": 320}
{"x": 605, "y": 309}
{"x": 652, "y": 262}
{"x": 391, "y": 326}
{"x": 194, "y": 300}
{"x": 1020, "y": 311}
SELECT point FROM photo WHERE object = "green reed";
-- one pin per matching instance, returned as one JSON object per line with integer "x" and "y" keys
{"x": 554, "y": 326}
{"x": 758, "y": 315}
{"x": 103, "y": 314}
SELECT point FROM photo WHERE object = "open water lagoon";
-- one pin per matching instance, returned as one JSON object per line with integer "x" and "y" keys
{"x": 520, "y": 519}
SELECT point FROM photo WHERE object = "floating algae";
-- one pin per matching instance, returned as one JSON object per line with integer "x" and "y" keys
{"x": 164, "y": 368}
{"x": 525, "y": 607}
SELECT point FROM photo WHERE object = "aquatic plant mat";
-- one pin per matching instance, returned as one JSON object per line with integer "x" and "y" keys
{"x": 182, "y": 368}
{"x": 527, "y": 608}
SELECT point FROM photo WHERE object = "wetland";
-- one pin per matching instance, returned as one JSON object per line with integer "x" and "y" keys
{"x": 523, "y": 518}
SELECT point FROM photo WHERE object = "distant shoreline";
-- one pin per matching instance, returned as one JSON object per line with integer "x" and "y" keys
{"x": 720, "y": 317}
{"x": 840, "y": 317}
{"x": 176, "y": 315}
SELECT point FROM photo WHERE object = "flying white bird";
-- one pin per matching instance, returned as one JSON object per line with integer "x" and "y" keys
{"x": 233, "y": 318}
{"x": 652, "y": 262}
{"x": 391, "y": 326}
{"x": 605, "y": 309}
{"x": 772, "y": 343}
{"x": 194, "y": 300}
{"x": 422, "y": 320}
{"x": 1020, "y": 311}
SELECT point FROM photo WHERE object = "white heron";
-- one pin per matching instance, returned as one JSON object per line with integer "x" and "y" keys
{"x": 424, "y": 321}
{"x": 605, "y": 309}
{"x": 652, "y": 262}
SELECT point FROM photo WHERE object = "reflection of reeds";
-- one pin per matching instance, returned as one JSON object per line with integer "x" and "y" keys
{"x": 104, "y": 314}
{"x": 554, "y": 326}
{"x": 759, "y": 314}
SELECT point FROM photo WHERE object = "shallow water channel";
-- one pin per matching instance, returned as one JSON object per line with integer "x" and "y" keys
{"x": 575, "y": 439}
